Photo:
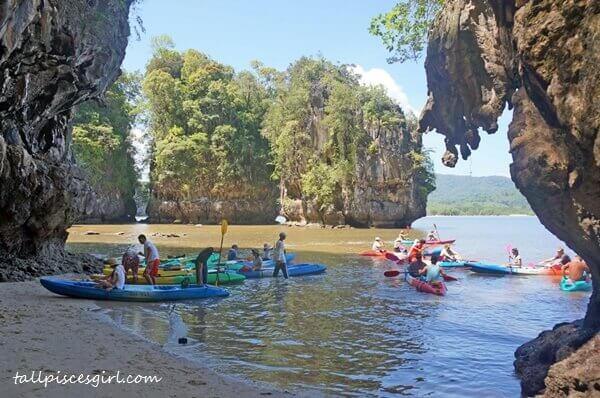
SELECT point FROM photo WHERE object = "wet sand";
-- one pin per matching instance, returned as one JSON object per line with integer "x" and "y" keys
{"x": 40, "y": 331}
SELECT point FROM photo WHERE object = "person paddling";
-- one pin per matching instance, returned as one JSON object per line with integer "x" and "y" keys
{"x": 515, "y": 260}
{"x": 152, "y": 259}
{"x": 449, "y": 254}
{"x": 416, "y": 249}
{"x": 433, "y": 272}
{"x": 554, "y": 260}
{"x": 377, "y": 245}
{"x": 279, "y": 257}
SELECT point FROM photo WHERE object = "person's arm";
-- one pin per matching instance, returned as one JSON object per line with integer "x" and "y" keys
{"x": 423, "y": 270}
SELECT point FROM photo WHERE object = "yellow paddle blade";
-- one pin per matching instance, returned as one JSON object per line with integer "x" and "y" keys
{"x": 224, "y": 226}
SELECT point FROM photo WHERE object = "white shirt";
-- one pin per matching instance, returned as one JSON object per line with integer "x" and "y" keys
{"x": 279, "y": 251}
{"x": 120, "y": 274}
{"x": 151, "y": 250}
{"x": 376, "y": 246}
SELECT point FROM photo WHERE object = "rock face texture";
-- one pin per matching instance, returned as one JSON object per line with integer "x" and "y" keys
{"x": 386, "y": 189}
{"x": 540, "y": 57}
{"x": 108, "y": 207}
{"x": 212, "y": 210}
{"x": 53, "y": 55}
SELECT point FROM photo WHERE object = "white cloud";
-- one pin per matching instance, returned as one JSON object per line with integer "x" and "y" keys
{"x": 380, "y": 77}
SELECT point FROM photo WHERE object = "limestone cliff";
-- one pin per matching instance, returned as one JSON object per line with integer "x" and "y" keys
{"x": 53, "y": 55}
{"x": 390, "y": 179}
{"x": 540, "y": 57}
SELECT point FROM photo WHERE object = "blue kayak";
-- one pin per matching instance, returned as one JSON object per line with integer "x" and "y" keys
{"x": 270, "y": 263}
{"x": 293, "y": 270}
{"x": 580, "y": 286}
{"x": 454, "y": 264}
{"x": 432, "y": 252}
{"x": 489, "y": 268}
{"x": 89, "y": 290}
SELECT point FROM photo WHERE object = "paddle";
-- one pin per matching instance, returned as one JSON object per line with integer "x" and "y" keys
{"x": 449, "y": 278}
{"x": 437, "y": 232}
{"x": 393, "y": 272}
{"x": 224, "y": 226}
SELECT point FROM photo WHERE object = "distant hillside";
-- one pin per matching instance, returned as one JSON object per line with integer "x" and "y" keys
{"x": 464, "y": 195}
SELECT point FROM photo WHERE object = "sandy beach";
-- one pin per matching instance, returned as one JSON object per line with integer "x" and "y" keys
{"x": 42, "y": 332}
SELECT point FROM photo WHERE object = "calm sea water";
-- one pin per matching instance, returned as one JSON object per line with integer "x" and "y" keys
{"x": 353, "y": 332}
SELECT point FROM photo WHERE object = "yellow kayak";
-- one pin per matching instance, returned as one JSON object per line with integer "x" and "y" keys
{"x": 178, "y": 277}
{"x": 161, "y": 272}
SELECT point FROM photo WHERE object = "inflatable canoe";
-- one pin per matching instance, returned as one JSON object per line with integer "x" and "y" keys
{"x": 506, "y": 270}
{"x": 580, "y": 286}
{"x": 293, "y": 270}
{"x": 88, "y": 290}
{"x": 421, "y": 286}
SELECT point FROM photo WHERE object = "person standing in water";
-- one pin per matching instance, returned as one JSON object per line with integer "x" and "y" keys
{"x": 279, "y": 257}
{"x": 152, "y": 259}
{"x": 202, "y": 266}
{"x": 131, "y": 261}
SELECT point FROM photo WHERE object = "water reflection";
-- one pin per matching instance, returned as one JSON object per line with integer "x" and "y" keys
{"x": 353, "y": 332}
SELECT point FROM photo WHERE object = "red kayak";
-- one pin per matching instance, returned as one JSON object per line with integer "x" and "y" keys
{"x": 437, "y": 288}
{"x": 383, "y": 254}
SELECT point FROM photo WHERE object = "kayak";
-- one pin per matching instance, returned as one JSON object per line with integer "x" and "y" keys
{"x": 237, "y": 264}
{"x": 421, "y": 286}
{"x": 506, "y": 270}
{"x": 430, "y": 242}
{"x": 293, "y": 270}
{"x": 580, "y": 286}
{"x": 225, "y": 278}
{"x": 454, "y": 264}
{"x": 89, "y": 290}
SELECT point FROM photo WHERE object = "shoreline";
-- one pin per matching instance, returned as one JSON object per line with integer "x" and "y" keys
{"x": 41, "y": 331}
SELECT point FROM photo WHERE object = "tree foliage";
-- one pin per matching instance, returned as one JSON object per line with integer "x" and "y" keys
{"x": 205, "y": 122}
{"x": 101, "y": 143}
{"x": 404, "y": 28}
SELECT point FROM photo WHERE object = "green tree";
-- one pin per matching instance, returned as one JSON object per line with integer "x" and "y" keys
{"x": 101, "y": 142}
{"x": 404, "y": 28}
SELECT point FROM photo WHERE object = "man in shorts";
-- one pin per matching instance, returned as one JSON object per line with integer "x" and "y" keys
{"x": 152, "y": 259}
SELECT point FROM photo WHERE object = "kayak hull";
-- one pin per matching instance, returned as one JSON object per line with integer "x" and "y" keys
{"x": 438, "y": 289}
{"x": 579, "y": 286}
{"x": 496, "y": 269}
{"x": 293, "y": 270}
{"x": 87, "y": 290}
{"x": 454, "y": 264}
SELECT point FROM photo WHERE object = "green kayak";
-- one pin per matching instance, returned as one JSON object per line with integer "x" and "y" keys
{"x": 225, "y": 278}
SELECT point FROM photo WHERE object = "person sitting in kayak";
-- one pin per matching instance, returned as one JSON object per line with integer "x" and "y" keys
{"x": 377, "y": 245}
{"x": 131, "y": 261}
{"x": 116, "y": 280}
{"x": 257, "y": 261}
{"x": 398, "y": 243}
{"x": 556, "y": 259}
{"x": 433, "y": 236}
{"x": 415, "y": 267}
{"x": 232, "y": 254}
{"x": 267, "y": 252}
{"x": 515, "y": 260}
{"x": 417, "y": 248}
{"x": 576, "y": 270}
{"x": 449, "y": 254}
{"x": 433, "y": 272}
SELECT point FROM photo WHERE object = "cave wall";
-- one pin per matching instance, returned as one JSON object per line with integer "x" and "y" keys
{"x": 54, "y": 54}
{"x": 541, "y": 58}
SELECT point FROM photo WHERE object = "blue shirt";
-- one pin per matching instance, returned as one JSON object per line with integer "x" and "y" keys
{"x": 231, "y": 254}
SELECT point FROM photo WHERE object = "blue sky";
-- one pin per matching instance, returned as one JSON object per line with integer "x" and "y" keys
{"x": 277, "y": 32}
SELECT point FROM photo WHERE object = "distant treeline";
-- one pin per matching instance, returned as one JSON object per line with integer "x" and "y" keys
{"x": 464, "y": 195}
